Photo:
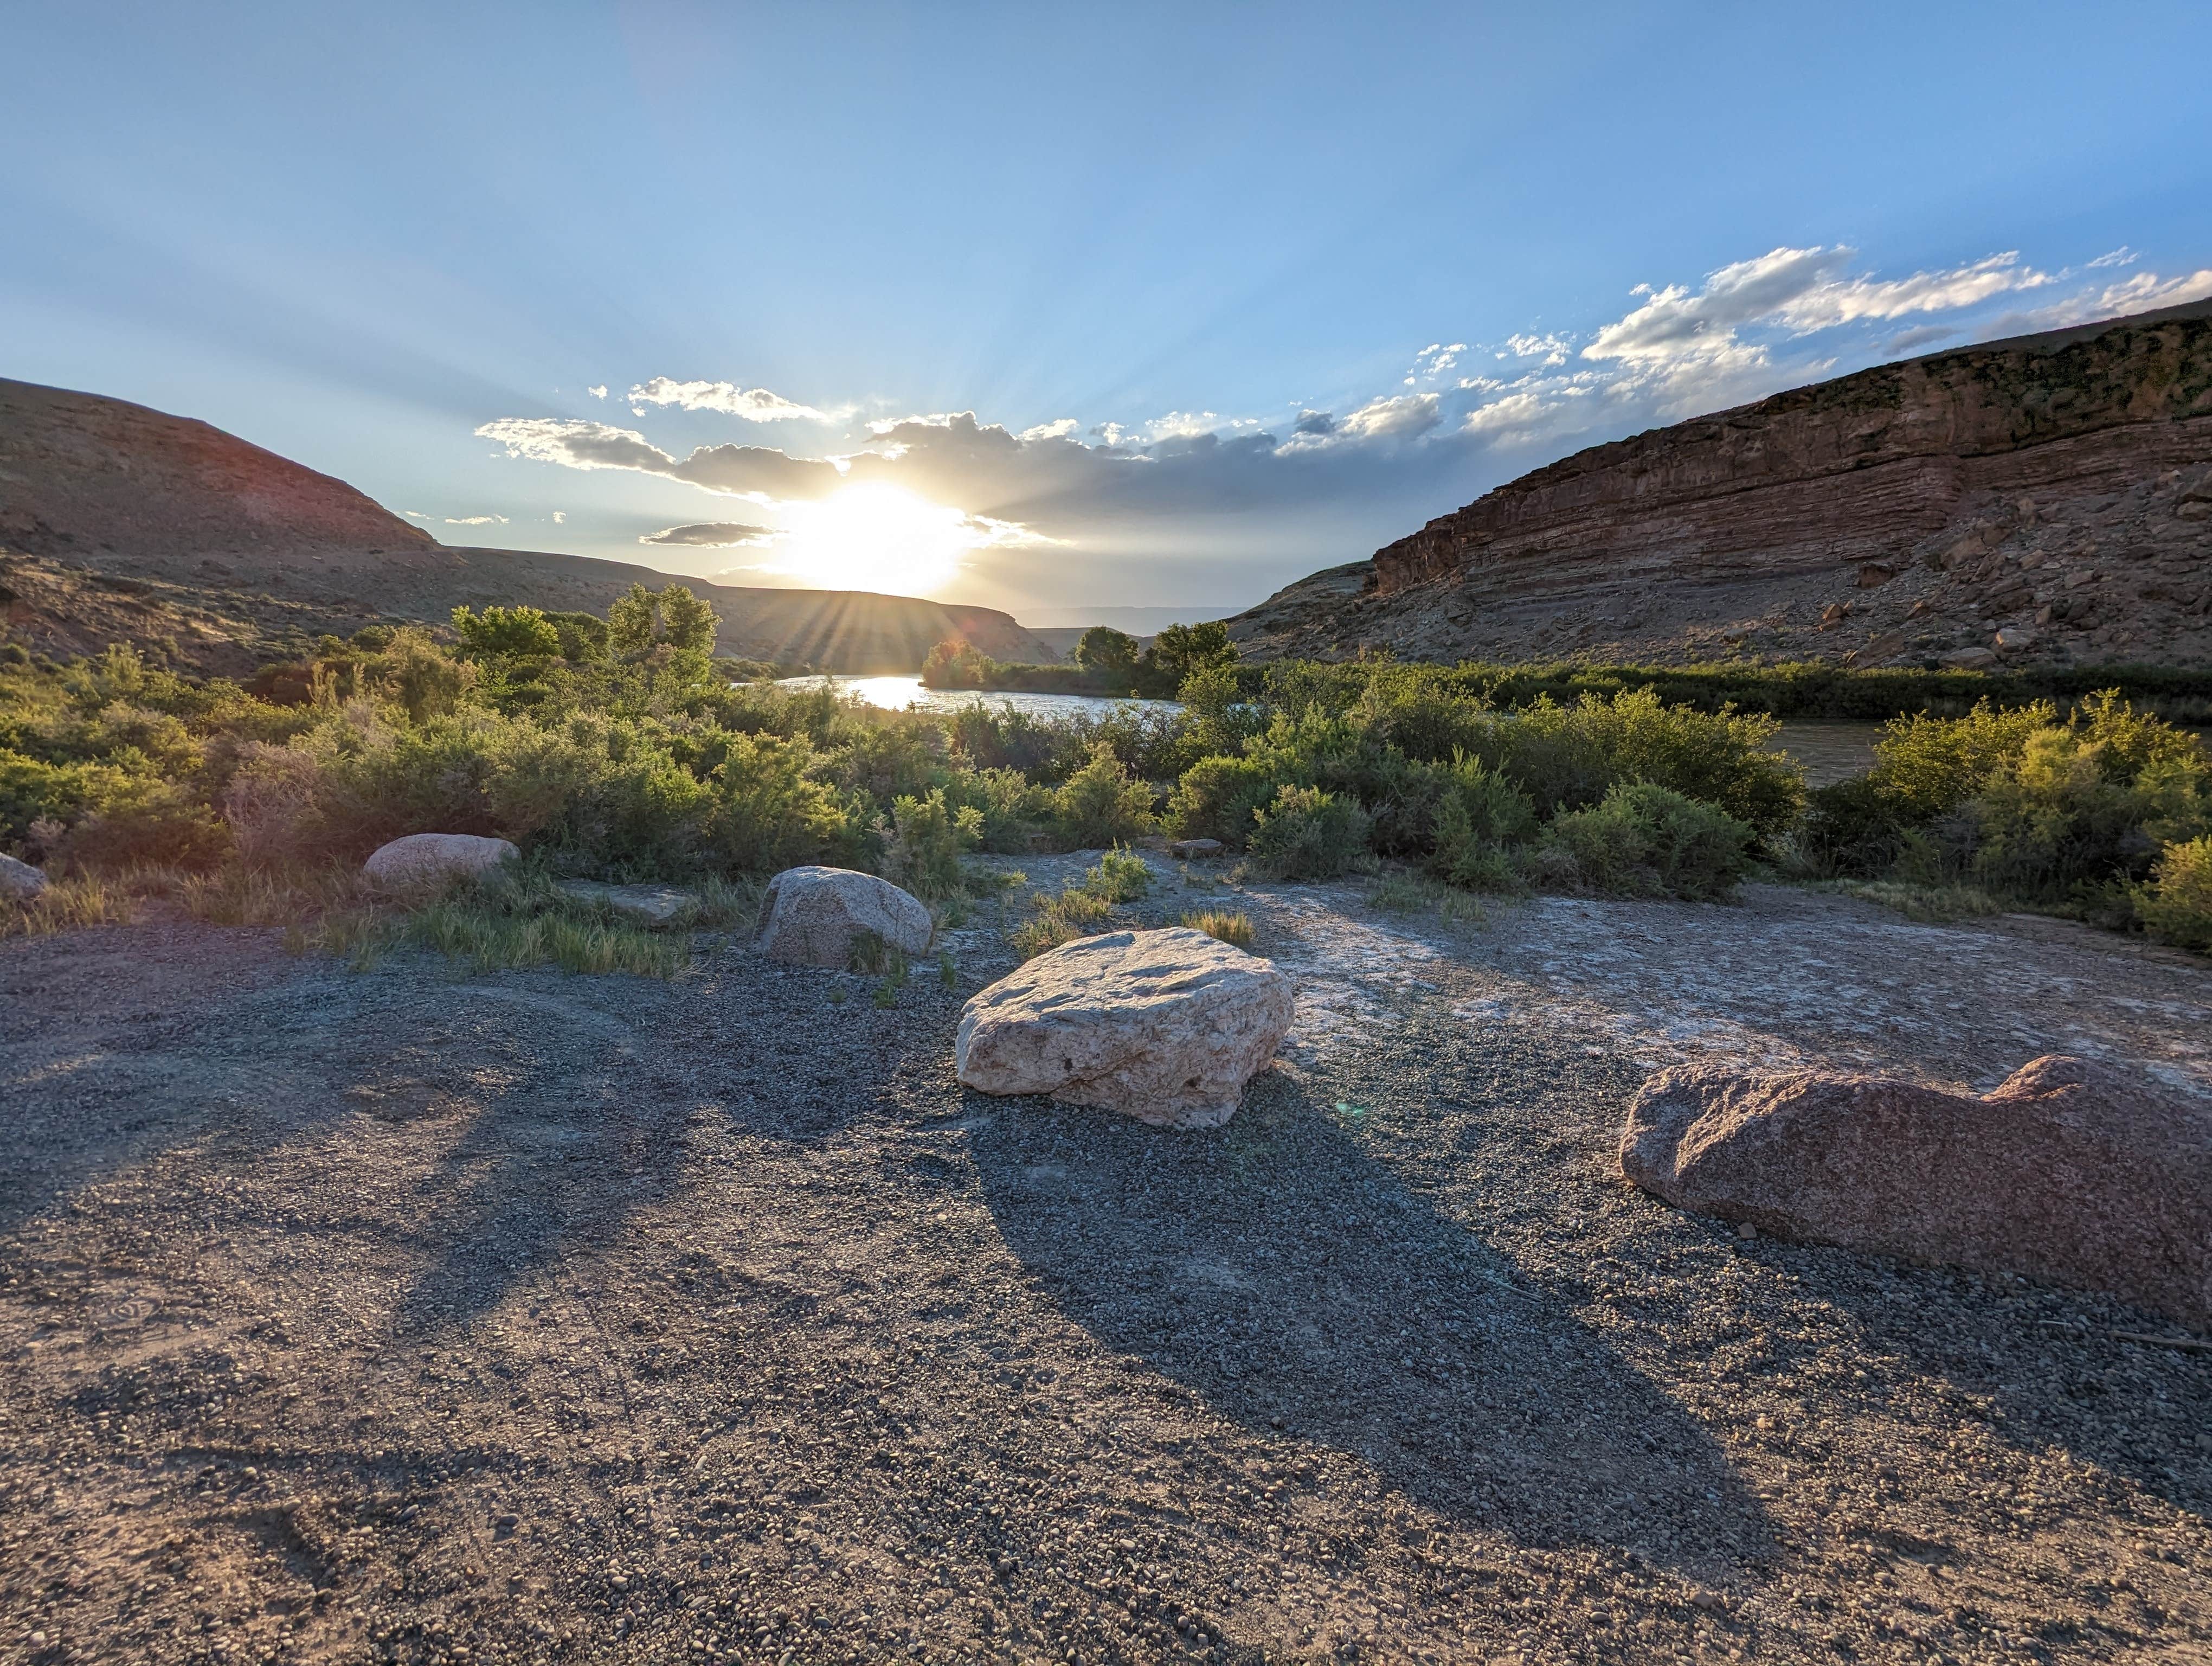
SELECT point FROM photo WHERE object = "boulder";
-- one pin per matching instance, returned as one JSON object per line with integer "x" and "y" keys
{"x": 2068, "y": 1171}
{"x": 1165, "y": 1026}
{"x": 1191, "y": 849}
{"x": 812, "y": 915}
{"x": 427, "y": 861}
{"x": 19, "y": 881}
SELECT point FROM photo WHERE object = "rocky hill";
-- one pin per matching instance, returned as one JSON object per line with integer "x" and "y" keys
{"x": 2045, "y": 498}
{"x": 114, "y": 518}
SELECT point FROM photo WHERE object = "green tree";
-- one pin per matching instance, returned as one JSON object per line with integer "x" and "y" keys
{"x": 1103, "y": 648}
{"x": 504, "y": 632}
{"x": 583, "y": 635}
{"x": 688, "y": 622}
{"x": 1180, "y": 651}
{"x": 631, "y": 623}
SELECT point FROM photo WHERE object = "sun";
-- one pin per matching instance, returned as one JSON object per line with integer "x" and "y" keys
{"x": 874, "y": 537}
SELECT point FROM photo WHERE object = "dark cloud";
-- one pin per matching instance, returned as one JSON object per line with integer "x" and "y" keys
{"x": 711, "y": 535}
{"x": 1314, "y": 422}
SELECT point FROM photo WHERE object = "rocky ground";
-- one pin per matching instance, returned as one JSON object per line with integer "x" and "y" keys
{"x": 371, "y": 1315}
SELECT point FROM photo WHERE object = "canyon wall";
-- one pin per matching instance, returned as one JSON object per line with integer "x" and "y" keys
{"x": 2077, "y": 451}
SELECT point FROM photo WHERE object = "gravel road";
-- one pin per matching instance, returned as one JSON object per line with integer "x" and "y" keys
{"x": 386, "y": 1315}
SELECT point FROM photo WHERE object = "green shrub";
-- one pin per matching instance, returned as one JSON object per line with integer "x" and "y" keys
{"x": 923, "y": 855}
{"x": 1216, "y": 798}
{"x": 1102, "y": 804}
{"x": 1481, "y": 819}
{"x": 1308, "y": 834}
{"x": 1073, "y": 913}
{"x": 2176, "y": 907}
{"x": 1644, "y": 840}
{"x": 1120, "y": 876}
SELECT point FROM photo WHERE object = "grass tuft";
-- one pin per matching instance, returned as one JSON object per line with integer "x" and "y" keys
{"x": 67, "y": 904}
{"x": 1234, "y": 929}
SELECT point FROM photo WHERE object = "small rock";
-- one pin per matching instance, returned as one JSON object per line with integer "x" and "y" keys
{"x": 812, "y": 915}
{"x": 19, "y": 880}
{"x": 656, "y": 905}
{"x": 426, "y": 862}
{"x": 2014, "y": 638}
{"x": 1193, "y": 850}
{"x": 1887, "y": 646}
{"x": 1968, "y": 659}
{"x": 1165, "y": 1026}
{"x": 1873, "y": 574}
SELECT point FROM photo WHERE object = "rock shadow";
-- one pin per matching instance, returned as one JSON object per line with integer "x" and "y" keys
{"x": 1291, "y": 1280}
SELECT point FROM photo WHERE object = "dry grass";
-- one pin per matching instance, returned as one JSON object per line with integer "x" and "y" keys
{"x": 66, "y": 904}
{"x": 1933, "y": 905}
{"x": 1234, "y": 929}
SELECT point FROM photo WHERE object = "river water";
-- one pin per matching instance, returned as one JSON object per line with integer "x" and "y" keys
{"x": 1830, "y": 751}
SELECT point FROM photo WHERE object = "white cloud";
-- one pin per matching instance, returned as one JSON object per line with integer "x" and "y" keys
{"x": 1828, "y": 305}
{"x": 413, "y": 514}
{"x": 1552, "y": 349}
{"x": 1436, "y": 359}
{"x": 475, "y": 520}
{"x": 2146, "y": 291}
{"x": 1675, "y": 322}
{"x": 1517, "y": 413}
{"x": 755, "y": 405}
{"x": 1398, "y": 419}
{"x": 1066, "y": 427}
{"x": 599, "y": 392}
{"x": 560, "y": 516}
{"x": 2123, "y": 256}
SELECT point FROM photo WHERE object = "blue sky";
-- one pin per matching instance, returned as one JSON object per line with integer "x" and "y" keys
{"x": 1049, "y": 307}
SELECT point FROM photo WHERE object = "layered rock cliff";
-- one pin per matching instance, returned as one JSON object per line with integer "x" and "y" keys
{"x": 127, "y": 521}
{"x": 2046, "y": 496}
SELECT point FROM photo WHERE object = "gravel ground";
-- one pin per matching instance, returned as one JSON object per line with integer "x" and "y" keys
{"x": 390, "y": 1316}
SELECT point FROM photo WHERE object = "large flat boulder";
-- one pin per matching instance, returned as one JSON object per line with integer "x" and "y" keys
{"x": 1165, "y": 1026}
{"x": 810, "y": 916}
{"x": 2070, "y": 1171}
{"x": 427, "y": 861}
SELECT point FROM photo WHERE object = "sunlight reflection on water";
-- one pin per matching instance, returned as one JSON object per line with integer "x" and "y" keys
{"x": 898, "y": 693}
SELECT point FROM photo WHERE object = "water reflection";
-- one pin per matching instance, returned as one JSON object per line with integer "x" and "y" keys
{"x": 898, "y": 693}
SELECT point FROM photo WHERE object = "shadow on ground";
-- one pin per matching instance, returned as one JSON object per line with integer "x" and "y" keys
{"x": 1291, "y": 1280}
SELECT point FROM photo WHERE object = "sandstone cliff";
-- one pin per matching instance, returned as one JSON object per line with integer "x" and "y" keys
{"x": 123, "y": 521}
{"x": 2046, "y": 497}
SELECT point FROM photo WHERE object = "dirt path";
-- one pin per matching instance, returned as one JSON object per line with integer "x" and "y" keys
{"x": 389, "y": 1316}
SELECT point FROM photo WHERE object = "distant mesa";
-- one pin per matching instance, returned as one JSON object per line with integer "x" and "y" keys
{"x": 233, "y": 548}
{"x": 2046, "y": 499}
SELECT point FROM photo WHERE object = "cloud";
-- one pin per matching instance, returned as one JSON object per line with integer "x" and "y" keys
{"x": 560, "y": 516}
{"x": 736, "y": 471}
{"x": 598, "y": 391}
{"x": 712, "y": 535}
{"x": 1314, "y": 422}
{"x": 755, "y": 405}
{"x": 1926, "y": 335}
{"x": 2123, "y": 256}
{"x": 1552, "y": 349}
{"x": 1435, "y": 359}
{"x": 413, "y": 514}
{"x": 1516, "y": 414}
{"x": 1066, "y": 428}
{"x": 1828, "y": 305}
{"x": 475, "y": 520}
{"x": 2145, "y": 292}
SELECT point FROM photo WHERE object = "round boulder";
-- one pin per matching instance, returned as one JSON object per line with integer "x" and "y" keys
{"x": 427, "y": 861}
{"x": 19, "y": 881}
{"x": 812, "y": 915}
{"x": 1165, "y": 1026}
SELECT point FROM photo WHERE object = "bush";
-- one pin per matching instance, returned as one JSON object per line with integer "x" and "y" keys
{"x": 1075, "y": 912}
{"x": 1646, "y": 840}
{"x": 1102, "y": 804}
{"x": 1308, "y": 834}
{"x": 1122, "y": 876}
{"x": 1481, "y": 820}
{"x": 2177, "y": 906}
{"x": 1217, "y": 797}
{"x": 924, "y": 853}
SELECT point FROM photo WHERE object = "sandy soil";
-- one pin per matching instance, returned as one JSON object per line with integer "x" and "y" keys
{"x": 387, "y": 1316}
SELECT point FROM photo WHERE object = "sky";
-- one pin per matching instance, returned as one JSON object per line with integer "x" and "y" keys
{"x": 1049, "y": 308}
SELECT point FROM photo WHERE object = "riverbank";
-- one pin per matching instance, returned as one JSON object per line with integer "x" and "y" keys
{"x": 390, "y": 1315}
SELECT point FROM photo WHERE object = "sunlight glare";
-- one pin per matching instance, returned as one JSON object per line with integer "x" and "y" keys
{"x": 875, "y": 537}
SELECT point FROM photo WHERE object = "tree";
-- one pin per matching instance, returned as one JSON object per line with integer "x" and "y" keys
{"x": 583, "y": 635}
{"x": 630, "y": 623}
{"x": 505, "y": 632}
{"x": 1180, "y": 650}
{"x": 1103, "y": 648}
{"x": 688, "y": 622}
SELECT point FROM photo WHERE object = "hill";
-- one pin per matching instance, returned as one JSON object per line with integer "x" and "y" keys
{"x": 220, "y": 552}
{"x": 2044, "y": 499}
